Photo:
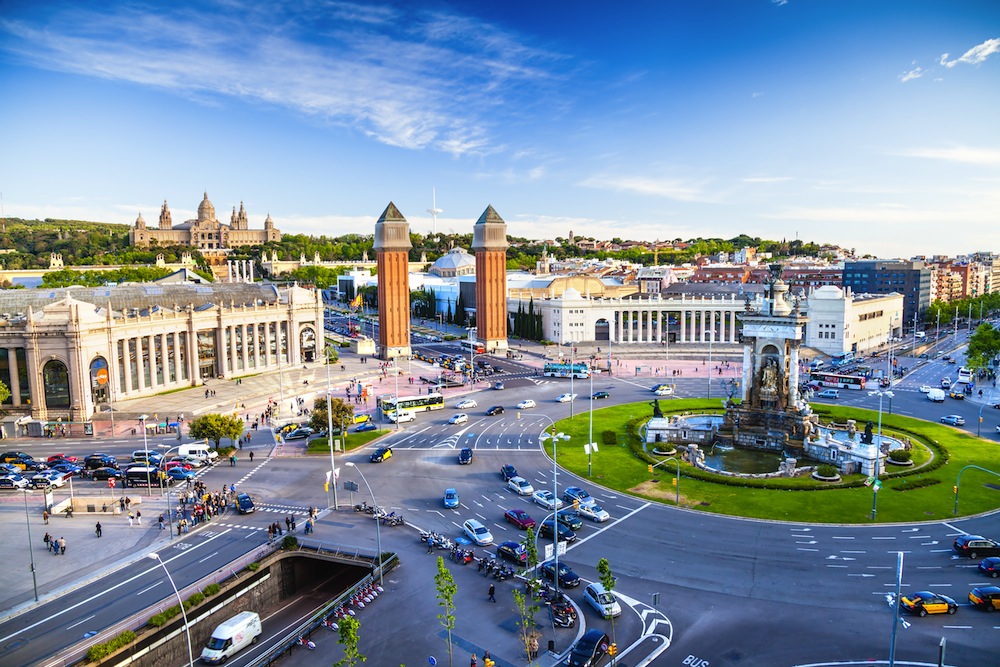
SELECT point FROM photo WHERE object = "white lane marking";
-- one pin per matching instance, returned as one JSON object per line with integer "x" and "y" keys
{"x": 211, "y": 555}
{"x": 148, "y": 588}
{"x": 81, "y": 622}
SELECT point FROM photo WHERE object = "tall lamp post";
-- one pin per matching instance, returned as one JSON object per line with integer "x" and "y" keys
{"x": 591, "y": 446}
{"x": 187, "y": 629}
{"x": 572, "y": 374}
{"x": 378, "y": 534}
{"x": 329, "y": 424}
{"x": 878, "y": 447}
{"x": 555, "y": 437}
{"x": 145, "y": 447}
{"x": 27, "y": 522}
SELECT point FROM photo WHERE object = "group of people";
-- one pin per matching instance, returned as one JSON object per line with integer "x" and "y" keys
{"x": 57, "y": 547}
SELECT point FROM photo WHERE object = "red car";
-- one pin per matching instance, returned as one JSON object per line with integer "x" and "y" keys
{"x": 519, "y": 518}
{"x": 174, "y": 464}
{"x": 62, "y": 457}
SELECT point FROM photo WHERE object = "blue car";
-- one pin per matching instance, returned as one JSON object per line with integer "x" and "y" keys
{"x": 367, "y": 426}
{"x": 450, "y": 499}
{"x": 179, "y": 474}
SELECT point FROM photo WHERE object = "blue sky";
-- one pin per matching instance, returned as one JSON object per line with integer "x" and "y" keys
{"x": 869, "y": 124}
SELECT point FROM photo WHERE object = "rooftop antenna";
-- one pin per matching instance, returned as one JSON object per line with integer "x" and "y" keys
{"x": 434, "y": 210}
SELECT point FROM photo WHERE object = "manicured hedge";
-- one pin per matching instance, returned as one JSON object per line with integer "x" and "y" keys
{"x": 100, "y": 651}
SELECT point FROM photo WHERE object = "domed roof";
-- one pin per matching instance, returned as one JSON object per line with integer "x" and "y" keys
{"x": 206, "y": 212}
{"x": 571, "y": 294}
{"x": 455, "y": 258}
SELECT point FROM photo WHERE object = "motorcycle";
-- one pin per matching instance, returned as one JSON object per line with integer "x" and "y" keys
{"x": 363, "y": 507}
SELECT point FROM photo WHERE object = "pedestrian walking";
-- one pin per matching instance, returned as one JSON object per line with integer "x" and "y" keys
{"x": 138, "y": 517}
{"x": 475, "y": 661}
{"x": 288, "y": 523}
{"x": 251, "y": 457}
{"x": 493, "y": 590}
{"x": 430, "y": 544}
{"x": 533, "y": 648}
{"x": 130, "y": 519}
{"x": 45, "y": 513}
{"x": 62, "y": 546}
{"x": 98, "y": 530}
{"x": 121, "y": 504}
{"x": 47, "y": 539}
{"x": 160, "y": 522}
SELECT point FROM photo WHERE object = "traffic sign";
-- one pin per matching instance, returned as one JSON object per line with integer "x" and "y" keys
{"x": 101, "y": 376}
{"x": 111, "y": 482}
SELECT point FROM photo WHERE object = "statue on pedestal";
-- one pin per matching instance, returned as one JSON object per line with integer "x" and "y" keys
{"x": 657, "y": 412}
{"x": 867, "y": 437}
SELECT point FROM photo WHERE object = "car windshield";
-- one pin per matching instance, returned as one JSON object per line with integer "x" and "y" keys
{"x": 481, "y": 530}
{"x": 606, "y": 598}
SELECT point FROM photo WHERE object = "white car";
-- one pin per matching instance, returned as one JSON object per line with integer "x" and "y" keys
{"x": 546, "y": 499}
{"x": 466, "y": 404}
{"x": 565, "y": 398}
{"x": 460, "y": 418}
{"x": 477, "y": 532}
{"x": 602, "y": 600}
{"x": 525, "y": 404}
{"x": 664, "y": 391}
{"x": 925, "y": 389}
{"x": 593, "y": 512}
{"x": 520, "y": 486}
{"x": 50, "y": 477}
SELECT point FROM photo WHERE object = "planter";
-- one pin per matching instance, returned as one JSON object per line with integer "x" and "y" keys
{"x": 902, "y": 464}
{"x": 820, "y": 478}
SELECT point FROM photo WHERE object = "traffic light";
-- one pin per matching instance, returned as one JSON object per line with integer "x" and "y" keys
{"x": 613, "y": 649}
{"x": 673, "y": 481}
{"x": 650, "y": 467}
{"x": 954, "y": 490}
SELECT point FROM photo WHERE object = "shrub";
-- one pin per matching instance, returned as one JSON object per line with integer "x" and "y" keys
{"x": 826, "y": 470}
{"x": 193, "y": 601}
{"x": 911, "y": 484}
{"x": 609, "y": 437}
{"x": 901, "y": 455}
{"x": 253, "y": 567}
{"x": 211, "y": 589}
{"x": 290, "y": 543}
{"x": 99, "y": 651}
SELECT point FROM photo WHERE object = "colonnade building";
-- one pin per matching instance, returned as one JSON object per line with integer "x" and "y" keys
{"x": 68, "y": 353}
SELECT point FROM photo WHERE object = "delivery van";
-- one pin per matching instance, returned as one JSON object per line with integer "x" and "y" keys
{"x": 936, "y": 395}
{"x": 231, "y": 636}
{"x": 199, "y": 451}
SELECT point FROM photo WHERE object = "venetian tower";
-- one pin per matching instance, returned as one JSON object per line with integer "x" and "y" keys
{"x": 489, "y": 242}
{"x": 392, "y": 246}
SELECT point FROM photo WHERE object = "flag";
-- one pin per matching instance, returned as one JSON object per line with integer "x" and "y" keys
{"x": 356, "y": 302}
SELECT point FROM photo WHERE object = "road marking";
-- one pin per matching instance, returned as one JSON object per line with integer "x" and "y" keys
{"x": 883, "y": 538}
{"x": 211, "y": 555}
{"x": 843, "y": 537}
{"x": 148, "y": 588}
{"x": 81, "y": 622}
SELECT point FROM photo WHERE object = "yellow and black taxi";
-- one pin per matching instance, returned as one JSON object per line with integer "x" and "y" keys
{"x": 922, "y": 603}
{"x": 381, "y": 454}
{"x": 985, "y": 597}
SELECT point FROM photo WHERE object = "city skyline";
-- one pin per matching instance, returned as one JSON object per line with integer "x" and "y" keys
{"x": 867, "y": 125}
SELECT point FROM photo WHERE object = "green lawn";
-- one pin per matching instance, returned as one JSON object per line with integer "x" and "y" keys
{"x": 923, "y": 493}
{"x": 354, "y": 441}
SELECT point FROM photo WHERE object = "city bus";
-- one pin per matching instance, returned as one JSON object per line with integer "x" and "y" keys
{"x": 565, "y": 370}
{"x": 419, "y": 403}
{"x": 842, "y": 359}
{"x": 965, "y": 375}
{"x": 472, "y": 346}
{"x": 838, "y": 381}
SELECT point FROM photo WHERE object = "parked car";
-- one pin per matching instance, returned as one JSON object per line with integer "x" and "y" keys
{"x": 526, "y": 404}
{"x": 589, "y": 649}
{"x": 477, "y": 532}
{"x": 495, "y": 410}
{"x": 508, "y": 471}
{"x": 380, "y": 454}
{"x": 106, "y": 473}
{"x": 953, "y": 420}
{"x": 12, "y": 483}
{"x": 299, "y": 433}
{"x": 985, "y": 597}
{"x": 450, "y": 499}
{"x": 465, "y": 456}
{"x": 602, "y": 600}
{"x": 922, "y": 603}
{"x": 974, "y": 546}
{"x": 546, "y": 499}
{"x": 520, "y": 486}
{"x": 513, "y": 551}
{"x": 547, "y": 527}
{"x": 519, "y": 518}
{"x": 367, "y": 426}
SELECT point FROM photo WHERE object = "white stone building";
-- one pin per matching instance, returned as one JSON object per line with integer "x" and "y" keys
{"x": 841, "y": 321}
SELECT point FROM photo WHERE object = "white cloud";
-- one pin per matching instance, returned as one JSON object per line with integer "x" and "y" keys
{"x": 411, "y": 79}
{"x": 668, "y": 188}
{"x": 914, "y": 73}
{"x": 766, "y": 179}
{"x": 963, "y": 154}
{"x": 975, "y": 55}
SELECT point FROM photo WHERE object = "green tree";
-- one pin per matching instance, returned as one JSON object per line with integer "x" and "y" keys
{"x": 984, "y": 346}
{"x": 608, "y": 581}
{"x": 343, "y": 413}
{"x": 215, "y": 427}
{"x": 527, "y": 603}
{"x": 4, "y": 395}
{"x": 348, "y": 638}
{"x": 446, "y": 589}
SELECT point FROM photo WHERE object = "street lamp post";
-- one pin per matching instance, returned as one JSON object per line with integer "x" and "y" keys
{"x": 329, "y": 426}
{"x": 378, "y": 534}
{"x": 591, "y": 446}
{"x": 187, "y": 629}
{"x": 31, "y": 555}
{"x": 878, "y": 447}
{"x": 145, "y": 446}
{"x": 572, "y": 373}
{"x": 555, "y": 437}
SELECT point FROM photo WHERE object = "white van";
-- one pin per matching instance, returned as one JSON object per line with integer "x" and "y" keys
{"x": 936, "y": 395}
{"x": 816, "y": 364}
{"x": 404, "y": 416}
{"x": 199, "y": 451}
{"x": 231, "y": 636}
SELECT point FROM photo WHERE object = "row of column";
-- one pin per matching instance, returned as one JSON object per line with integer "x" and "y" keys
{"x": 230, "y": 359}
{"x": 640, "y": 326}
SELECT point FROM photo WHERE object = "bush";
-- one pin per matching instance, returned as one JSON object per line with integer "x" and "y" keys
{"x": 211, "y": 589}
{"x": 826, "y": 470}
{"x": 100, "y": 651}
{"x": 609, "y": 437}
{"x": 901, "y": 455}
{"x": 193, "y": 601}
{"x": 253, "y": 567}
{"x": 911, "y": 484}
{"x": 290, "y": 543}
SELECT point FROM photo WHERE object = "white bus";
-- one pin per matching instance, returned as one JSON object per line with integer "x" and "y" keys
{"x": 472, "y": 346}
{"x": 964, "y": 375}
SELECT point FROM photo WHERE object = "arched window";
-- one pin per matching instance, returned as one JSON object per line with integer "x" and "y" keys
{"x": 56, "y": 381}
{"x": 307, "y": 344}
{"x": 100, "y": 381}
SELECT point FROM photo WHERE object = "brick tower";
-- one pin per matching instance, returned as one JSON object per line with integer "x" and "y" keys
{"x": 489, "y": 242}
{"x": 392, "y": 245}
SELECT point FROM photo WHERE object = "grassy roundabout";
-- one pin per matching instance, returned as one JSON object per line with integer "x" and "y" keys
{"x": 923, "y": 492}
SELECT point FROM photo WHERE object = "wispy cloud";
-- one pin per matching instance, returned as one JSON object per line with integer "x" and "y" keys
{"x": 668, "y": 188}
{"x": 975, "y": 55}
{"x": 766, "y": 179}
{"x": 963, "y": 154}
{"x": 914, "y": 73}
{"x": 412, "y": 79}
